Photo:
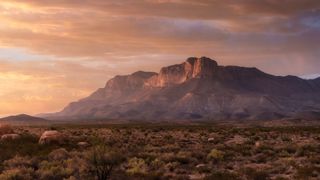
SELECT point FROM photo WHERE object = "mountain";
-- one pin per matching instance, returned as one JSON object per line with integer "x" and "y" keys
{"x": 23, "y": 119}
{"x": 199, "y": 89}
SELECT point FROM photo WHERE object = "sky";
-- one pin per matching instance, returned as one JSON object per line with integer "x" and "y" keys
{"x": 55, "y": 52}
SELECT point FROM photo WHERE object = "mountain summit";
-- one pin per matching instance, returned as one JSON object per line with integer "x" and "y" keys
{"x": 199, "y": 89}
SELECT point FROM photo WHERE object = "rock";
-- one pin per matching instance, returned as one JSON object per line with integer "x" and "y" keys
{"x": 10, "y": 137}
{"x": 52, "y": 137}
{"x": 210, "y": 140}
{"x": 237, "y": 140}
{"x": 83, "y": 144}
{"x": 201, "y": 166}
{"x": 196, "y": 176}
{"x": 257, "y": 144}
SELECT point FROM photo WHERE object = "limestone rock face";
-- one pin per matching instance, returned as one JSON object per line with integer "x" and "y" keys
{"x": 171, "y": 75}
{"x": 52, "y": 137}
{"x": 199, "y": 89}
{"x": 176, "y": 74}
{"x": 204, "y": 67}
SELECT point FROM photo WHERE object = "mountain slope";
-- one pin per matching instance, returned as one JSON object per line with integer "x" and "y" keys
{"x": 199, "y": 89}
{"x": 23, "y": 119}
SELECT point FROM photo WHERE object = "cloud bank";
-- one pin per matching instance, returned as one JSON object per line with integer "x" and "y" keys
{"x": 53, "y": 52}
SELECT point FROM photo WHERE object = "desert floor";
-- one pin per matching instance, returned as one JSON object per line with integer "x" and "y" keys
{"x": 144, "y": 151}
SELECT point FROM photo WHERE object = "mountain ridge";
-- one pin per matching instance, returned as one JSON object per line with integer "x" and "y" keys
{"x": 198, "y": 88}
{"x": 23, "y": 119}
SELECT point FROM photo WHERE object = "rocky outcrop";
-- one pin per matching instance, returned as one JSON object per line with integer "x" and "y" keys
{"x": 198, "y": 89}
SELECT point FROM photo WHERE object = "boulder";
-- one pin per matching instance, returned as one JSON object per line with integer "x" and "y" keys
{"x": 52, "y": 137}
{"x": 201, "y": 166}
{"x": 237, "y": 140}
{"x": 83, "y": 144}
{"x": 257, "y": 144}
{"x": 210, "y": 140}
{"x": 10, "y": 137}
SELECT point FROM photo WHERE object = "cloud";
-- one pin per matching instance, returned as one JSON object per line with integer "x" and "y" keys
{"x": 96, "y": 28}
{"x": 53, "y": 52}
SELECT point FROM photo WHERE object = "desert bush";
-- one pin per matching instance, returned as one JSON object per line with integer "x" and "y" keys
{"x": 5, "y": 129}
{"x": 20, "y": 162}
{"x": 199, "y": 155}
{"x": 167, "y": 157}
{"x": 215, "y": 155}
{"x": 171, "y": 166}
{"x": 286, "y": 138}
{"x": 137, "y": 166}
{"x": 53, "y": 170}
{"x": 183, "y": 157}
{"x": 59, "y": 155}
{"x": 102, "y": 162}
{"x": 19, "y": 168}
{"x": 315, "y": 160}
{"x": 79, "y": 167}
{"x": 244, "y": 149}
{"x": 156, "y": 165}
{"x": 306, "y": 172}
{"x": 222, "y": 175}
{"x": 18, "y": 174}
{"x": 163, "y": 154}
{"x": 253, "y": 174}
{"x": 23, "y": 146}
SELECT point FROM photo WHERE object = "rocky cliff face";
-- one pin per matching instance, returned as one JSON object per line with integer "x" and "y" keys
{"x": 192, "y": 68}
{"x": 199, "y": 89}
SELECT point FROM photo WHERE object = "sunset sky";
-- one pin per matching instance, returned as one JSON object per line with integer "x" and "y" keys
{"x": 53, "y": 52}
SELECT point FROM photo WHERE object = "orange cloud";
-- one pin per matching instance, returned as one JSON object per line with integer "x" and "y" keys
{"x": 90, "y": 41}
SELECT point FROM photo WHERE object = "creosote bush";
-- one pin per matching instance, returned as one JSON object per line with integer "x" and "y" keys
{"x": 137, "y": 166}
{"x": 215, "y": 155}
{"x": 103, "y": 161}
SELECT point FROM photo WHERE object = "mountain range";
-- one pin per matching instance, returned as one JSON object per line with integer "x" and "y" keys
{"x": 199, "y": 89}
{"x": 23, "y": 119}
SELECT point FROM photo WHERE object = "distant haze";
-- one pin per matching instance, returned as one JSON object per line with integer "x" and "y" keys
{"x": 55, "y": 52}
